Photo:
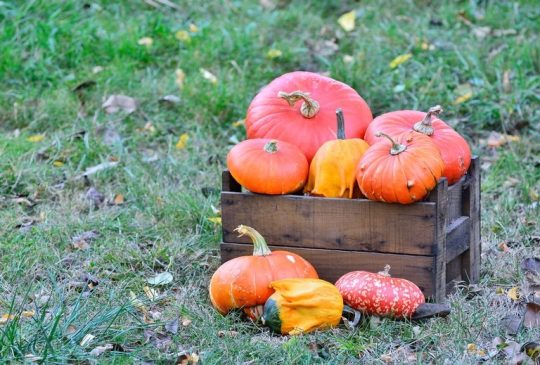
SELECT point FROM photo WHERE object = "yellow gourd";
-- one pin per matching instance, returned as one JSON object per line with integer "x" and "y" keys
{"x": 332, "y": 170}
{"x": 302, "y": 305}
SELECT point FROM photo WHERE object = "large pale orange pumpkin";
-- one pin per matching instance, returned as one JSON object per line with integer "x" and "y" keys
{"x": 268, "y": 166}
{"x": 332, "y": 172}
{"x": 299, "y": 108}
{"x": 455, "y": 150}
{"x": 400, "y": 170}
{"x": 244, "y": 282}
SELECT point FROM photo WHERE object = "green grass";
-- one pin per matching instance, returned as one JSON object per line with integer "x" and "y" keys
{"x": 47, "y": 48}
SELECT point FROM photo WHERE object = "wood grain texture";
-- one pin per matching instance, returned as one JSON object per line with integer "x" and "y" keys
{"x": 332, "y": 264}
{"x": 471, "y": 207}
{"x": 454, "y": 205}
{"x": 457, "y": 237}
{"x": 341, "y": 224}
{"x": 440, "y": 196}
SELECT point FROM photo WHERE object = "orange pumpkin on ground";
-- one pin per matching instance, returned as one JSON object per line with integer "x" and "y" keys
{"x": 400, "y": 170}
{"x": 332, "y": 170}
{"x": 244, "y": 282}
{"x": 455, "y": 150}
{"x": 268, "y": 166}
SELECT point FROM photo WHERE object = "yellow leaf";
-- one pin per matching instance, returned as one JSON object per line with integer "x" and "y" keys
{"x": 182, "y": 141}
{"x": 36, "y": 138}
{"x": 151, "y": 293}
{"x": 463, "y": 98}
{"x": 347, "y": 21}
{"x": 209, "y": 76}
{"x": 28, "y": 314}
{"x": 183, "y": 35}
{"x": 533, "y": 194}
{"x": 238, "y": 123}
{"x": 6, "y": 317}
{"x": 400, "y": 59}
{"x": 193, "y": 28}
{"x": 180, "y": 77}
{"x": 118, "y": 199}
{"x": 215, "y": 220}
{"x": 274, "y": 53}
{"x": 497, "y": 139}
{"x": 145, "y": 41}
{"x": 499, "y": 291}
{"x": 58, "y": 163}
{"x": 513, "y": 293}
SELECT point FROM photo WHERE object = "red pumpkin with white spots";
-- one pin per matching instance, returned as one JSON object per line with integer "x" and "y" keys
{"x": 378, "y": 294}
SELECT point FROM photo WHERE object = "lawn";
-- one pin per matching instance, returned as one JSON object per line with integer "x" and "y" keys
{"x": 71, "y": 297}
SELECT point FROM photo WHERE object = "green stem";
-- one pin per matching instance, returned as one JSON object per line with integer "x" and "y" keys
{"x": 309, "y": 108}
{"x": 396, "y": 147}
{"x": 424, "y": 126}
{"x": 340, "y": 124}
{"x": 260, "y": 248}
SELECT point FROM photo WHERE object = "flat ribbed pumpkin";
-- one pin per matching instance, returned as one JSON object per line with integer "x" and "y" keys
{"x": 332, "y": 170}
{"x": 299, "y": 108}
{"x": 244, "y": 282}
{"x": 302, "y": 306}
{"x": 455, "y": 150}
{"x": 400, "y": 170}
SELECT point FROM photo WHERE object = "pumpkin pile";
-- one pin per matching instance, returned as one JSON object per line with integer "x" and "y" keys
{"x": 312, "y": 134}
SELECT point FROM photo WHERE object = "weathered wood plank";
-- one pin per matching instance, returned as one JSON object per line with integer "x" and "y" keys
{"x": 457, "y": 237}
{"x": 440, "y": 196}
{"x": 331, "y": 264}
{"x": 228, "y": 183}
{"x": 471, "y": 208}
{"x": 342, "y": 224}
{"x": 454, "y": 205}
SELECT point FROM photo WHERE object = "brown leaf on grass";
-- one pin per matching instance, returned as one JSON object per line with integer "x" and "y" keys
{"x": 116, "y": 103}
{"x": 507, "y": 86}
{"x": 513, "y": 293}
{"x": 322, "y": 47}
{"x": 82, "y": 241}
{"x": 227, "y": 333}
{"x": 118, "y": 199}
{"x": 503, "y": 247}
{"x": 94, "y": 196}
{"x": 98, "y": 350}
{"x": 187, "y": 359}
{"x": 511, "y": 323}
{"x": 531, "y": 319}
{"x": 172, "y": 326}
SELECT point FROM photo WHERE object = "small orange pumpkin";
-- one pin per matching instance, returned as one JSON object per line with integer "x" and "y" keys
{"x": 244, "y": 282}
{"x": 401, "y": 170}
{"x": 332, "y": 170}
{"x": 268, "y": 166}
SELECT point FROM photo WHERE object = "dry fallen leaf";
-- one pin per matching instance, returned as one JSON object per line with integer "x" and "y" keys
{"x": 36, "y": 138}
{"x": 238, "y": 123}
{"x": 172, "y": 326}
{"x": 274, "y": 53}
{"x": 186, "y": 321}
{"x": 215, "y": 220}
{"x": 531, "y": 319}
{"x": 151, "y": 293}
{"x": 227, "y": 333}
{"x": 513, "y": 293}
{"x": 187, "y": 359}
{"x": 98, "y": 350}
{"x": 94, "y": 196}
{"x": 496, "y": 139}
{"x": 87, "y": 339}
{"x": 208, "y": 76}
{"x": 193, "y": 28}
{"x": 183, "y": 35}
{"x": 347, "y": 21}
{"x": 118, "y": 199}
{"x": 115, "y": 103}
{"x": 400, "y": 59}
{"x": 503, "y": 247}
{"x": 182, "y": 141}
{"x": 507, "y": 87}
{"x": 58, "y": 163}
{"x": 145, "y": 41}
{"x": 81, "y": 241}
{"x": 163, "y": 278}
{"x": 180, "y": 77}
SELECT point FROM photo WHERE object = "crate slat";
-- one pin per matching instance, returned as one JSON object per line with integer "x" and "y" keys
{"x": 331, "y": 264}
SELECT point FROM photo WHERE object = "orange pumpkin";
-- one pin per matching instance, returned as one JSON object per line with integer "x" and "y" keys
{"x": 244, "y": 282}
{"x": 455, "y": 150}
{"x": 268, "y": 166}
{"x": 403, "y": 170}
{"x": 332, "y": 170}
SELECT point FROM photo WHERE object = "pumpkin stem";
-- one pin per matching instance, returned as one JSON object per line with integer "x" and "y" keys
{"x": 340, "y": 124}
{"x": 309, "y": 108}
{"x": 271, "y": 146}
{"x": 424, "y": 126}
{"x": 260, "y": 248}
{"x": 396, "y": 147}
{"x": 386, "y": 271}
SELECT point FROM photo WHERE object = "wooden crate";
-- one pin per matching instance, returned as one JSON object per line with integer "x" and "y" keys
{"x": 431, "y": 243}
